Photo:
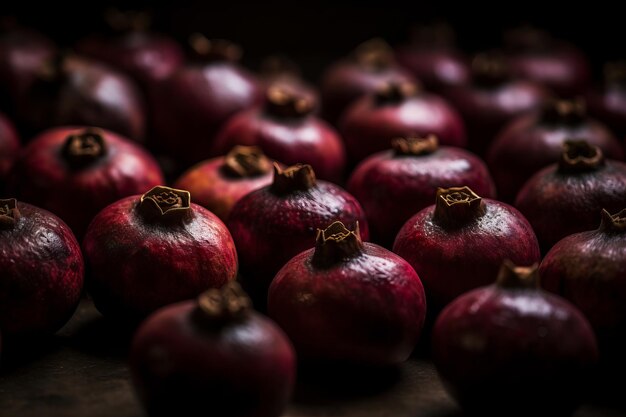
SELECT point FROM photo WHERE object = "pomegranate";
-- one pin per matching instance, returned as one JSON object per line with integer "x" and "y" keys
{"x": 459, "y": 243}
{"x": 608, "y": 103}
{"x": 42, "y": 271}
{"x": 349, "y": 301}
{"x": 286, "y": 131}
{"x": 219, "y": 183}
{"x": 394, "y": 185}
{"x": 398, "y": 110}
{"x": 567, "y": 197}
{"x": 512, "y": 343}
{"x": 77, "y": 171}
{"x": 9, "y": 148}
{"x": 215, "y": 351}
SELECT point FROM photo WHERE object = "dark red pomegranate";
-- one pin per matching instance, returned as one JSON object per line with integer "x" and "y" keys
{"x": 370, "y": 66}
{"x": 349, "y": 302}
{"x": 567, "y": 197}
{"x": 532, "y": 142}
{"x": 219, "y": 183}
{"x": 493, "y": 99}
{"x": 535, "y": 55}
{"x": 22, "y": 54}
{"x": 589, "y": 269}
{"x": 215, "y": 352}
{"x": 70, "y": 90}
{"x": 432, "y": 57}
{"x": 75, "y": 172}
{"x": 608, "y": 103}
{"x": 42, "y": 270}
{"x": 394, "y": 185}
{"x": 398, "y": 110}
{"x": 148, "y": 251}
{"x": 286, "y": 131}
{"x": 459, "y": 243}
{"x": 511, "y": 346}
{"x": 9, "y": 148}
{"x": 279, "y": 69}
{"x": 194, "y": 102}
{"x": 275, "y": 223}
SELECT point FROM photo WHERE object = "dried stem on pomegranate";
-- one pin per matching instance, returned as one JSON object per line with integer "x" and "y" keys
{"x": 219, "y": 305}
{"x": 615, "y": 223}
{"x": 246, "y": 161}
{"x": 457, "y": 206}
{"x": 164, "y": 203}
{"x": 395, "y": 92}
{"x": 489, "y": 70}
{"x": 375, "y": 54}
{"x": 9, "y": 213}
{"x": 299, "y": 177}
{"x": 580, "y": 156}
{"x": 570, "y": 112}
{"x": 211, "y": 50}
{"x": 84, "y": 148}
{"x": 282, "y": 101}
{"x": 517, "y": 277}
{"x": 335, "y": 244}
{"x": 415, "y": 146}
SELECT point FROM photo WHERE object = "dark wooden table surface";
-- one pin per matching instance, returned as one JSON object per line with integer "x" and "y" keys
{"x": 82, "y": 372}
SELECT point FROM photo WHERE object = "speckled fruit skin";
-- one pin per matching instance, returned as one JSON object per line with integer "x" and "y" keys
{"x": 88, "y": 93}
{"x": 155, "y": 264}
{"x": 436, "y": 67}
{"x": 367, "y": 310}
{"x": 392, "y": 188}
{"x": 43, "y": 177}
{"x": 193, "y": 104}
{"x": 9, "y": 148}
{"x": 527, "y": 145}
{"x": 521, "y": 350}
{"x": 42, "y": 274}
{"x": 451, "y": 262}
{"x": 246, "y": 369}
{"x": 270, "y": 229}
{"x": 589, "y": 270}
{"x": 367, "y": 127}
{"x": 345, "y": 81}
{"x": 306, "y": 140}
{"x": 558, "y": 205}
{"x": 217, "y": 191}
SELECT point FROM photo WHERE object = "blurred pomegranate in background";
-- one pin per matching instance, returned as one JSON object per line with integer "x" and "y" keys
{"x": 608, "y": 102}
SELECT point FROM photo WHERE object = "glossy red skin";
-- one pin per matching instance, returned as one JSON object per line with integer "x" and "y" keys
{"x": 42, "y": 274}
{"x": 558, "y": 205}
{"x": 214, "y": 189}
{"x": 527, "y": 145}
{"x": 497, "y": 347}
{"x": 344, "y": 82}
{"x": 245, "y": 369}
{"x": 306, "y": 140}
{"x": 435, "y": 67}
{"x": 609, "y": 106}
{"x": 487, "y": 110}
{"x": 137, "y": 267}
{"x": 367, "y": 127}
{"x": 269, "y": 229}
{"x": 9, "y": 147}
{"x": 92, "y": 95}
{"x": 589, "y": 270}
{"x": 451, "y": 262}
{"x": 22, "y": 53}
{"x": 193, "y": 104}
{"x": 393, "y": 188}
{"x": 43, "y": 177}
{"x": 367, "y": 310}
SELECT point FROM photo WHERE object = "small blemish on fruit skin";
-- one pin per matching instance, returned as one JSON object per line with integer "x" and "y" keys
{"x": 305, "y": 298}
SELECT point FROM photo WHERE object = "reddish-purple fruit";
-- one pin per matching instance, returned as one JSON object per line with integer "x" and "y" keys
{"x": 76, "y": 172}
{"x": 459, "y": 243}
{"x": 398, "y": 110}
{"x": 148, "y": 251}
{"x": 192, "y": 105}
{"x": 589, "y": 269}
{"x": 9, "y": 148}
{"x": 214, "y": 353}
{"x": 70, "y": 90}
{"x": 347, "y": 301}
{"x": 432, "y": 57}
{"x": 608, "y": 103}
{"x": 42, "y": 270}
{"x": 535, "y": 141}
{"x": 286, "y": 131}
{"x": 394, "y": 185}
{"x": 558, "y": 65}
{"x": 493, "y": 99}
{"x": 272, "y": 225}
{"x": 219, "y": 183}
{"x": 566, "y": 198}
{"x": 511, "y": 346}
{"x": 370, "y": 66}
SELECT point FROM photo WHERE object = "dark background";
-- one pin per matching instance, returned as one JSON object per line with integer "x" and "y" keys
{"x": 312, "y": 33}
